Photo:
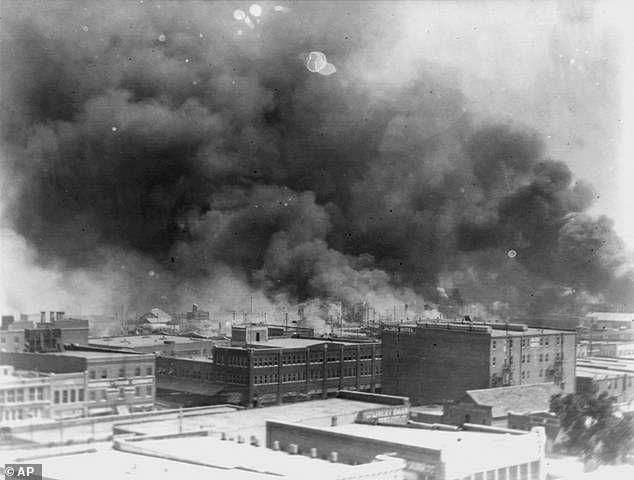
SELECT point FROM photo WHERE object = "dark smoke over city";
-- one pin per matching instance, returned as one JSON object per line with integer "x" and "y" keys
{"x": 166, "y": 157}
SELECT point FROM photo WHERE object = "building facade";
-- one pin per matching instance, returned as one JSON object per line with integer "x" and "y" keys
{"x": 260, "y": 370}
{"x": 23, "y": 395}
{"x": 429, "y": 454}
{"x": 438, "y": 362}
{"x": 115, "y": 382}
{"x": 612, "y": 376}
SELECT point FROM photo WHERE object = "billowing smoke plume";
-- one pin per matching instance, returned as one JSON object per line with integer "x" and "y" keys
{"x": 187, "y": 154}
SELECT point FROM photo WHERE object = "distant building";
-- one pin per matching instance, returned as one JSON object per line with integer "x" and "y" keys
{"x": 116, "y": 382}
{"x": 261, "y": 369}
{"x": 599, "y": 320}
{"x": 157, "y": 320}
{"x": 610, "y": 349}
{"x": 167, "y": 345}
{"x": 12, "y": 340}
{"x": 438, "y": 362}
{"x": 613, "y": 376}
{"x": 31, "y": 395}
{"x": 492, "y": 406}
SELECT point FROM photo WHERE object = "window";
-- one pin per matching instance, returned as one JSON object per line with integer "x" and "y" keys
{"x": 65, "y": 396}
{"x": 557, "y": 340}
{"x": 31, "y": 394}
{"x": 546, "y": 340}
{"x": 16, "y": 339}
{"x": 56, "y": 396}
{"x": 541, "y": 373}
{"x": 20, "y": 395}
{"x": 121, "y": 372}
{"x": 73, "y": 396}
{"x": 137, "y": 371}
{"x": 104, "y": 395}
{"x": 493, "y": 361}
{"x": 494, "y": 345}
{"x": 104, "y": 373}
{"x": 92, "y": 396}
{"x": 546, "y": 357}
{"x": 148, "y": 390}
{"x": 80, "y": 394}
{"x": 541, "y": 340}
{"x": 40, "y": 393}
{"x": 541, "y": 357}
{"x": 137, "y": 391}
{"x": 91, "y": 374}
{"x": 511, "y": 343}
{"x": 121, "y": 393}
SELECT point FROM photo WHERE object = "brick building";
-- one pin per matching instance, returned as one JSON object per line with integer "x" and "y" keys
{"x": 258, "y": 369}
{"x": 430, "y": 454}
{"x": 610, "y": 375}
{"x": 438, "y": 362}
{"x": 31, "y": 395}
{"x": 115, "y": 382}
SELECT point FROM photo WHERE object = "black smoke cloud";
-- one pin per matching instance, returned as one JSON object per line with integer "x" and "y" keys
{"x": 161, "y": 140}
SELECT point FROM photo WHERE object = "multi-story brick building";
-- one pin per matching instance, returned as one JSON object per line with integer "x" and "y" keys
{"x": 115, "y": 382}
{"x": 610, "y": 375}
{"x": 32, "y": 395}
{"x": 438, "y": 362}
{"x": 259, "y": 370}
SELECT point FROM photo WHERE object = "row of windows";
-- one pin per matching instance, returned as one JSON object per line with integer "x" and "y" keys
{"x": 18, "y": 395}
{"x": 526, "y": 342}
{"x": 68, "y": 396}
{"x": 293, "y": 359}
{"x": 515, "y": 472}
{"x": 4, "y": 339}
{"x": 543, "y": 357}
{"x": 102, "y": 395}
{"x": 122, "y": 373}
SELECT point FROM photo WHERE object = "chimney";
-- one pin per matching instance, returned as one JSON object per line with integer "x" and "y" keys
{"x": 334, "y": 457}
{"x": 293, "y": 448}
{"x": 313, "y": 452}
{"x": 276, "y": 445}
{"x": 333, "y": 421}
{"x": 43, "y": 317}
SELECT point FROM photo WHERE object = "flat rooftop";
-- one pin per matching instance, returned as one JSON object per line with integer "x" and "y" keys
{"x": 422, "y": 438}
{"x": 613, "y": 366}
{"x": 296, "y": 342}
{"x": 496, "y": 330}
{"x": 253, "y": 421}
{"x": 230, "y": 455}
{"x": 132, "y": 341}
{"x": 94, "y": 462}
{"x": 95, "y": 354}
